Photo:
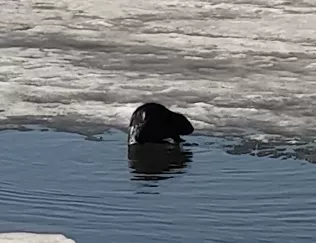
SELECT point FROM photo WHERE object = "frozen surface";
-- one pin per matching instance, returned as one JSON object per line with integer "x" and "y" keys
{"x": 232, "y": 67}
{"x": 24, "y": 237}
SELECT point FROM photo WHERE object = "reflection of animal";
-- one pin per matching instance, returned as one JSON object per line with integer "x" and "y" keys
{"x": 154, "y": 159}
{"x": 153, "y": 123}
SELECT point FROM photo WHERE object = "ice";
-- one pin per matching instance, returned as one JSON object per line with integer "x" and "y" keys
{"x": 24, "y": 237}
{"x": 227, "y": 65}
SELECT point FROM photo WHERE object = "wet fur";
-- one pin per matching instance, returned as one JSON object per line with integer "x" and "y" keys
{"x": 153, "y": 123}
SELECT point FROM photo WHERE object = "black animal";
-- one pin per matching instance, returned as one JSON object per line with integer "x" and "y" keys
{"x": 154, "y": 123}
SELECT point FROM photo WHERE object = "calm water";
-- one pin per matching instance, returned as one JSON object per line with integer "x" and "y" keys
{"x": 61, "y": 182}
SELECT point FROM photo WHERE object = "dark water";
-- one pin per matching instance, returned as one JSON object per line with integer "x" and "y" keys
{"x": 61, "y": 182}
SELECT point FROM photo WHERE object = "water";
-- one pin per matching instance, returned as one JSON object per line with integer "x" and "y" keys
{"x": 60, "y": 182}
{"x": 243, "y": 72}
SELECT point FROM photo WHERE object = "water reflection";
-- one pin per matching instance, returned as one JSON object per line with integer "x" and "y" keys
{"x": 157, "y": 161}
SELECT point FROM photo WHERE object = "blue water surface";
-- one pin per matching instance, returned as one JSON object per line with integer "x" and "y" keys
{"x": 90, "y": 191}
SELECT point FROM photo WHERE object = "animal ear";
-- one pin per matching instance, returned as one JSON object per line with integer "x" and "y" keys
{"x": 181, "y": 124}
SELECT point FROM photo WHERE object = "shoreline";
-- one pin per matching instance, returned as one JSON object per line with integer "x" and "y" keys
{"x": 259, "y": 145}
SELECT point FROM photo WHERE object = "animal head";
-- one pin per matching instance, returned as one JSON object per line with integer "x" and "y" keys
{"x": 153, "y": 123}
